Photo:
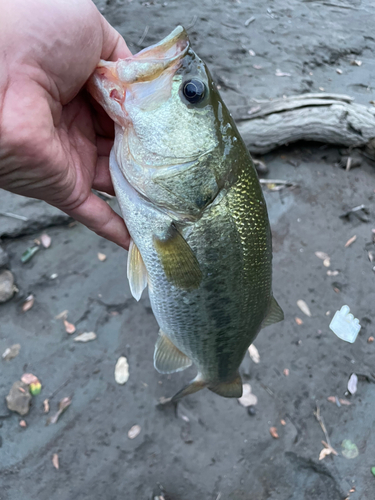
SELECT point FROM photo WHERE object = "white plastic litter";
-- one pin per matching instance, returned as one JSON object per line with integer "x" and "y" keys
{"x": 345, "y": 325}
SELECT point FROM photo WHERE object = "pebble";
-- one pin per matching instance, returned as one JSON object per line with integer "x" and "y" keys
{"x": 19, "y": 398}
{"x": 7, "y": 287}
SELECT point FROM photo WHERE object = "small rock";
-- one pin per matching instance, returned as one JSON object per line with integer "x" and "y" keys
{"x": 4, "y": 258}
{"x": 19, "y": 398}
{"x": 11, "y": 352}
{"x": 251, "y": 410}
{"x": 7, "y": 287}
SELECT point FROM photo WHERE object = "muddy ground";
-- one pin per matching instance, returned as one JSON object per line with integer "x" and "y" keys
{"x": 222, "y": 452}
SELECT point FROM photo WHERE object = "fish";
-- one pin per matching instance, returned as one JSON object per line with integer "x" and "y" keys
{"x": 192, "y": 202}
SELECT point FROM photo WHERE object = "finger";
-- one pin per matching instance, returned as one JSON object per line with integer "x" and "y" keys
{"x": 102, "y": 180}
{"x": 114, "y": 46}
{"x": 98, "y": 216}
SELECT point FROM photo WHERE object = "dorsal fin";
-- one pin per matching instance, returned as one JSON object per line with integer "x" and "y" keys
{"x": 275, "y": 314}
{"x": 232, "y": 389}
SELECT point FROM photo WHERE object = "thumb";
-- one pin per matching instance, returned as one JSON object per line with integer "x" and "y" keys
{"x": 114, "y": 46}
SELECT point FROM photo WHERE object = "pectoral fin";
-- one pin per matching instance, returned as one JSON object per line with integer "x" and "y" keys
{"x": 178, "y": 260}
{"x": 231, "y": 389}
{"x": 137, "y": 273}
{"x": 275, "y": 314}
{"x": 167, "y": 358}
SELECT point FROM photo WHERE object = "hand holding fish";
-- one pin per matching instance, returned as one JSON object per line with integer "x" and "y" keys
{"x": 54, "y": 141}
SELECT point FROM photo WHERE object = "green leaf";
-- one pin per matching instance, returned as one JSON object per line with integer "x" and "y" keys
{"x": 29, "y": 253}
{"x": 373, "y": 470}
{"x": 349, "y": 449}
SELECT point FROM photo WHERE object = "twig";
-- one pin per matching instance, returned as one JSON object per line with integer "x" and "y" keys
{"x": 14, "y": 216}
{"x": 278, "y": 182}
{"x": 322, "y": 425}
{"x": 141, "y": 40}
{"x": 249, "y": 21}
{"x": 329, "y": 4}
{"x": 194, "y": 20}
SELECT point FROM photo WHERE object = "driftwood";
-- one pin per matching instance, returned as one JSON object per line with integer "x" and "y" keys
{"x": 327, "y": 118}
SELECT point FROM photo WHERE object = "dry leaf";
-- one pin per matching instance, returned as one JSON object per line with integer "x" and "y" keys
{"x": 370, "y": 339}
{"x": 69, "y": 327}
{"x": 11, "y": 352}
{"x": 102, "y": 256}
{"x": 304, "y": 307}
{"x": 55, "y": 461}
{"x": 62, "y": 315}
{"x": 322, "y": 255}
{"x": 23, "y": 423}
{"x": 298, "y": 321}
{"x": 28, "y": 304}
{"x": 335, "y": 289}
{"x": 350, "y": 241}
{"x": 122, "y": 370}
{"x": 332, "y": 273}
{"x": 63, "y": 405}
{"x": 352, "y": 383}
{"x": 29, "y": 378}
{"x": 247, "y": 398}
{"x": 324, "y": 453}
{"x": 46, "y": 240}
{"x": 46, "y": 405}
{"x": 345, "y": 402}
{"x": 356, "y": 62}
{"x": 134, "y": 431}
{"x": 282, "y": 422}
{"x": 273, "y": 432}
{"x": 85, "y": 337}
{"x": 254, "y": 354}
{"x": 286, "y": 372}
{"x": 331, "y": 399}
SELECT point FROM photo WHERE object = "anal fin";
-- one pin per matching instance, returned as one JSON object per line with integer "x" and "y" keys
{"x": 137, "y": 273}
{"x": 232, "y": 389}
{"x": 180, "y": 265}
{"x": 167, "y": 358}
{"x": 275, "y": 314}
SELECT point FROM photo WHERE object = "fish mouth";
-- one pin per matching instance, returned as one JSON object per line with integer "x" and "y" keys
{"x": 152, "y": 61}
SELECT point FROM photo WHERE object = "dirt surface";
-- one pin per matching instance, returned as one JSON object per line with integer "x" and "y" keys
{"x": 221, "y": 452}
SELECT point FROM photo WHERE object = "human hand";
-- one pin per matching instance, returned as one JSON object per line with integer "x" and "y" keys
{"x": 54, "y": 140}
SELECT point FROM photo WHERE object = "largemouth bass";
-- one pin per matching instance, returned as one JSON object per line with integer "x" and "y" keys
{"x": 192, "y": 202}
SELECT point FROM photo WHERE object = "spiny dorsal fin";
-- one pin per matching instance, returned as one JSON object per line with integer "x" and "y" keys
{"x": 179, "y": 263}
{"x": 137, "y": 273}
{"x": 167, "y": 358}
{"x": 231, "y": 389}
{"x": 275, "y": 314}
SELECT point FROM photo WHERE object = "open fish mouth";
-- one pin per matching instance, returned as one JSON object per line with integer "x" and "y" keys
{"x": 149, "y": 63}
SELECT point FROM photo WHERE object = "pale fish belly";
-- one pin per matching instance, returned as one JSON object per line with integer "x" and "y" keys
{"x": 214, "y": 324}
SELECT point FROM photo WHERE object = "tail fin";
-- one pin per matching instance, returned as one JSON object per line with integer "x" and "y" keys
{"x": 231, "y": 389}
{"x": 194, "y": 386}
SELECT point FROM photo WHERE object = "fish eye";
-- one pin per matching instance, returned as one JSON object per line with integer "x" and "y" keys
{"x": 194, "y": 91}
